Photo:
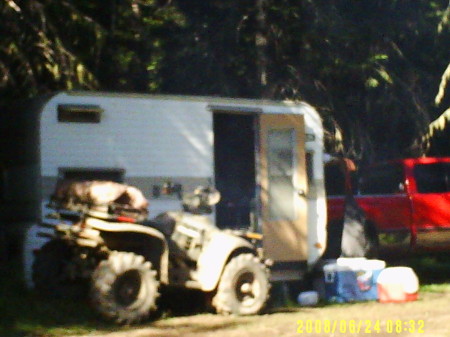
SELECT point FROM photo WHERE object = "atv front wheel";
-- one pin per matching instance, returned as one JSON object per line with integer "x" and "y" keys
{"x": 124, "y": 288}
{"x": 243, "y": 288}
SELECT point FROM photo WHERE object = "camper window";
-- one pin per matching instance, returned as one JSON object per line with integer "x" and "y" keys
{"x": 68, "y": 113}
{"x": 281, "y": 159}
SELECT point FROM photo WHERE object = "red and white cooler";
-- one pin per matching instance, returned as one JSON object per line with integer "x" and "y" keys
{"x": 397, "y": 284}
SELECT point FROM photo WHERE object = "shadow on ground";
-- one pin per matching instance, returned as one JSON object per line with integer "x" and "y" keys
{"x": 27, "y": 314}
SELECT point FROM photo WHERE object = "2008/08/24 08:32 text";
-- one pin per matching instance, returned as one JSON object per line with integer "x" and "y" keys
{"x": 360, "y": 326}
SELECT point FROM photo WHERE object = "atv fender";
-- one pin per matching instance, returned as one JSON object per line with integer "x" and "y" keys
{"x": 215, "y": 255}
{"x": 105, "y": 226}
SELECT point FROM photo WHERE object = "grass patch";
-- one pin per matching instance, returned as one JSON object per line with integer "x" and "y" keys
{"x": 25, "y": 313}
{"x": 431, "y": 269}
{"x": 436, "y": 288}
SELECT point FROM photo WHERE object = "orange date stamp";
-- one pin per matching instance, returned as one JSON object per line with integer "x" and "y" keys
{"x": 390, "y": 326}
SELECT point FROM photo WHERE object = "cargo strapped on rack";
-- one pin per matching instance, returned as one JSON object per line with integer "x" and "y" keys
{"x": 100, "y": 197}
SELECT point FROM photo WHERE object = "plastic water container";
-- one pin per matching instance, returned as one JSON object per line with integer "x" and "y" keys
{"x": 397, "y": 284}
{"x": 308, "y": 298}
{"x": 352, "y": 279}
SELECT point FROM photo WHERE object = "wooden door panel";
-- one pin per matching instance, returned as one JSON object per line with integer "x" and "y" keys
{"x": 283, "y": 187}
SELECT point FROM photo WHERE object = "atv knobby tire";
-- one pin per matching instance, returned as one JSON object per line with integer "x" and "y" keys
{"x": 124, "y": 288}
{"x": 52, "y": 273}
{"x": 243, "y": 288}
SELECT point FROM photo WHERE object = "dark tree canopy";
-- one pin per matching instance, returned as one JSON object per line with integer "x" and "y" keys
{"x": 372, "y": 68}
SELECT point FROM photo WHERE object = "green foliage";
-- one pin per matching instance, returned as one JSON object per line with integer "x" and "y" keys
{"x": 371, "y": 67}
{"x": 35, "y": 54}
{"x": 75, "y": 44}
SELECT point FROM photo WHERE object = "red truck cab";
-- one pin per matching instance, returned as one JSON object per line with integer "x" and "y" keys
{"x": 408, "y": 201}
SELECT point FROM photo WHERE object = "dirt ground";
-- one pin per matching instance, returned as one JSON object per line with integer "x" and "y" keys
{"x": 427, "y": 317}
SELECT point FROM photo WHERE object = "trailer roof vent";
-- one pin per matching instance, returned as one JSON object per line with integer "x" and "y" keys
{"x": 77, "y": 113}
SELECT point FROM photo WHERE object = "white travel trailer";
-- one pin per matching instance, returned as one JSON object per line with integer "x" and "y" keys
{"x": 264, "y": 157}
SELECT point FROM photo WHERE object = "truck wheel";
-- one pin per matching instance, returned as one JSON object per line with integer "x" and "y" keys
{"x": 243, "y": 288}
{"x": 124, "y": 288}
{"x": 373, "y": 243}
{"x": 334, "y": 239}
{"x": 51, "y": 271}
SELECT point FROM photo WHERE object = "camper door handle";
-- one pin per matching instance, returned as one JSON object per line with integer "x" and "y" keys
{"x": 301, "y": 193}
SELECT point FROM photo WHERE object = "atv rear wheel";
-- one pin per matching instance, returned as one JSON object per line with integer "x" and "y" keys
{"x": 124, "y": 288}
{"x": 243, "y": 288}
{"x": 52, "y": 273}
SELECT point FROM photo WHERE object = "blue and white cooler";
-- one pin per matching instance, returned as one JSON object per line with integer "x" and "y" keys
{"x": 352, "y": 279}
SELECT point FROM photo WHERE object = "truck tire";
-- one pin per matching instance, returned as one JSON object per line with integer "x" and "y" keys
{"x": 124, "y": 288}
{"x": 373, "y": 251}
{"x": 334, "y": 239}
{"x": 51, "y": 272}
{"x": 243, "y": 288}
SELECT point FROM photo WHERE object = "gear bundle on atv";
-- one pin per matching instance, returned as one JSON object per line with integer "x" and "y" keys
{"x": 123, "y": 260}
{"x": 100, "y": 196}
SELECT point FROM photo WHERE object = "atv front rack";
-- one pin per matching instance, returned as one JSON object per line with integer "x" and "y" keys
{"x": 110, "y": 211}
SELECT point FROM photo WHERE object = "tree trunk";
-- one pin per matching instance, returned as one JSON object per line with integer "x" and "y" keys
{"x": 261, "y": 47}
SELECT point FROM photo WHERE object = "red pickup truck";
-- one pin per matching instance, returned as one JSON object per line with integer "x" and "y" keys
{"x": 407, "y": 200}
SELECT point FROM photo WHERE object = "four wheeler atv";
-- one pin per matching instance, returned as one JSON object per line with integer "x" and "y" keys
{"x": 125, "y": 262}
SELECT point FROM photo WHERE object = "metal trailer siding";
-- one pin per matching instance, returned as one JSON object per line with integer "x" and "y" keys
{"x": 146, "y": 137}
{"x": 155, "y": 137}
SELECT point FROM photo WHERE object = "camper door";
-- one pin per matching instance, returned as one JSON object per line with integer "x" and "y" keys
{"x": 283, "y": 187}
